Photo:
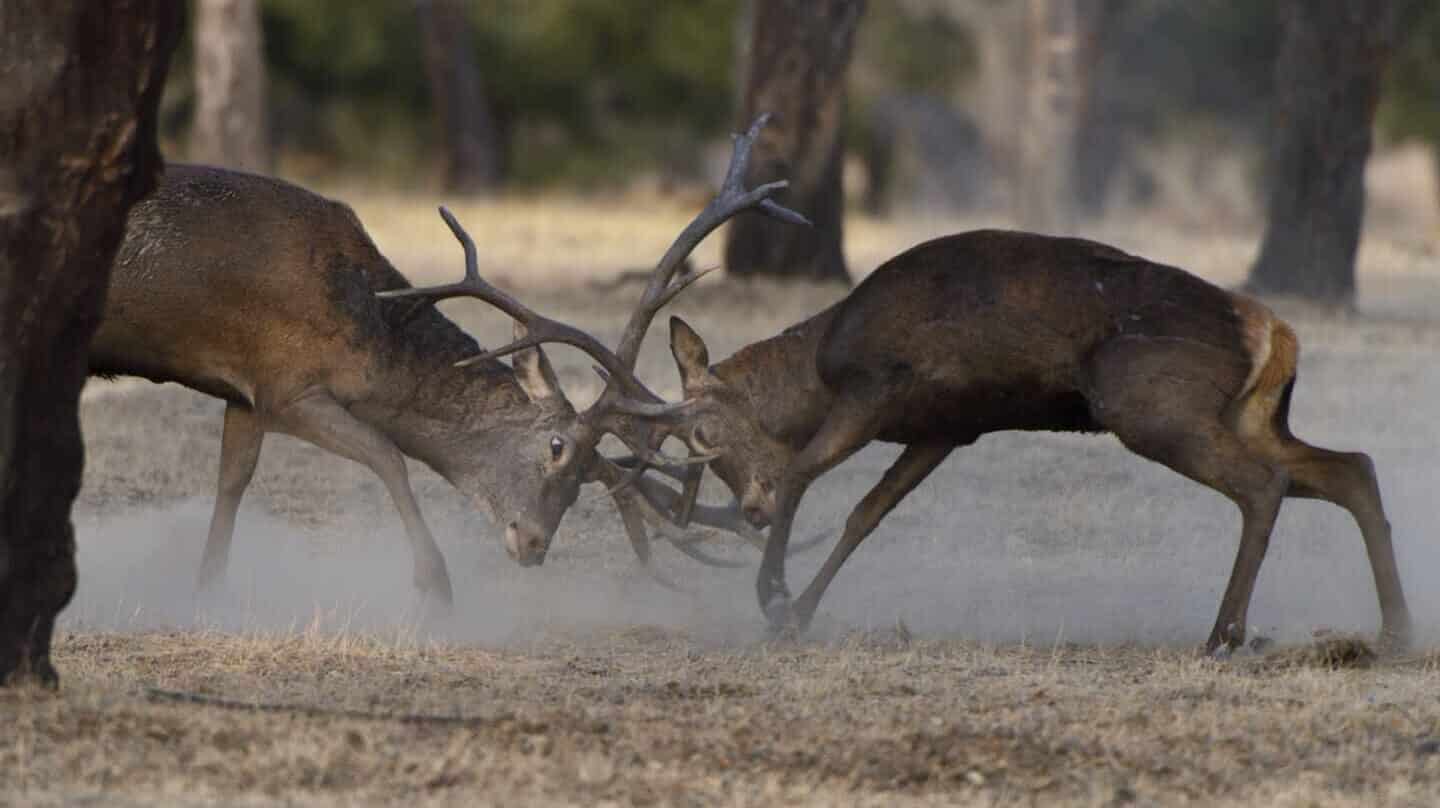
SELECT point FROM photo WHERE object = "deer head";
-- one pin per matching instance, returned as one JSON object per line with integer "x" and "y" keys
{"x": 530, "y": 452}
{"x": 725, "y": 424}
{"x": 627, "y": 408}
{"x": 527, "y": 468}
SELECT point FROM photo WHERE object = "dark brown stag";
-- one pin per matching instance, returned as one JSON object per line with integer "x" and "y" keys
{"x": 991, "y": 330}
{"x": 275, "y": 299}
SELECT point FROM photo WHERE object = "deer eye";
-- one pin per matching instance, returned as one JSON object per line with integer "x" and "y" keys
{"x": 557, "y": 448}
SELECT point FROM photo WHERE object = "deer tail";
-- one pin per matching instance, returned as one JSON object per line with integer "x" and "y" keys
{"x": 1274, "y": 355}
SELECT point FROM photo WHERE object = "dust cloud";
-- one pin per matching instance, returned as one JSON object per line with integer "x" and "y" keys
{"x": 1031, "y": 538}
{"x": 1105, "y": 549}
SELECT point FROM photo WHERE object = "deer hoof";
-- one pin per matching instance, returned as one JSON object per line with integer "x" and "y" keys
{"x": 1394, "y": 641}
{"x": 439, "y": 598}
{"x": 1225, "y": 641}
{"x": 210, "y": 576}
{"x": 780, "y": 613}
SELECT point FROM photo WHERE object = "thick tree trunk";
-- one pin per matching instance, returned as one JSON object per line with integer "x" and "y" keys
{"x": 474, "y": 149}
{"x": 229, "y": 127}
{"x": 798, "y": 55}
{"x": 77, "y": 148}
{"x": 1327, "y": 84}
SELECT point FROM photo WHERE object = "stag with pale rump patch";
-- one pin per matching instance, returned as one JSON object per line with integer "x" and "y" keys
{"x": 994, "y": 330}
{"x": 275, "y": 299}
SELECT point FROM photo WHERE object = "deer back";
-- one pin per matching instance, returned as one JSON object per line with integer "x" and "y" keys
{"x": 991, "y": 329}
{"x": 259, "y": 292}
{"x": 252, "y": 289}
{"x": 1000, "y": 305}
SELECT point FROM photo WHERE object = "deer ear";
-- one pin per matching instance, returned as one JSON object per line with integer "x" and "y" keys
{"x": 691, "y": 355}
{"x": 533, "y": 371}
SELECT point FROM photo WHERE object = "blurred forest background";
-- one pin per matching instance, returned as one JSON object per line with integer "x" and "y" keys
{"x": 1055, "y": 112}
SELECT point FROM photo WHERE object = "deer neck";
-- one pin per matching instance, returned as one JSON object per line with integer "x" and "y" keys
{"x": 780, "y": 382}
{"x": 440, "y": 414}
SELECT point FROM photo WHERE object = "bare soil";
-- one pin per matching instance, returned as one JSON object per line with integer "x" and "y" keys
{"x": 1024, "y": 629}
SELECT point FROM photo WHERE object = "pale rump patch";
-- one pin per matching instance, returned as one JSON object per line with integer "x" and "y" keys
{"x": 1270, "y": 342}
{"x": 1284, "y": 356}
{"x": 1273, "y": 350}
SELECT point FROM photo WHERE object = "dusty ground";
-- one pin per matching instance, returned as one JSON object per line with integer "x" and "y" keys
{"x": 1021, "y": 631}
{"x": 646, "y": 716}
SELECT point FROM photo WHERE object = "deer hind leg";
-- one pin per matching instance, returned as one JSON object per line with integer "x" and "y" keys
{"x": 852, "y": 423}
{"x": 1166, "y": 401}
{"x": 319, "y": 419}
{"x": 239, "y": 452}
{"x": 1346, "y": 479}
{"x": 913, "y": 466}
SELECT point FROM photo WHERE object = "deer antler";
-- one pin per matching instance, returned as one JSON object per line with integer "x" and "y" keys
{"x": 732, "y": 199}
{"x": 636, "y": 396}
{"x": 625, "y": 397}
{"x": 664, "y": 285}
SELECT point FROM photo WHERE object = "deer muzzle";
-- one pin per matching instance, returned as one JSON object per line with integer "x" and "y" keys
{"x": 526, "y": 546}
{"x": 758, "y": 505}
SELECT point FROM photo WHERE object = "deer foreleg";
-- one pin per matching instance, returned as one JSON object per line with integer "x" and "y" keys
{"x": 239, "y": 452}
{"x": 319, "y": 419}
{"x": 851, "y": 424}
{"x": 913, "y": 465}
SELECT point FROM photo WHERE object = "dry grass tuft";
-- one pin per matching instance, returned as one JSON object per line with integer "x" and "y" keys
{"x": 1328, "y": 652}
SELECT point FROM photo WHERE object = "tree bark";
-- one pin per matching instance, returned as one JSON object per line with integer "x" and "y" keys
{"x": 474, "y": 149}
{"x": 798, "y": 55}
{"x": 77, "y": 148}
{"x": 1327, "y": 85}
{"x": 230, "y": 122}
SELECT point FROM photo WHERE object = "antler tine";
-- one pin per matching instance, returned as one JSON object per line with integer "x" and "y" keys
{"x": 540, "y": 329}
{"x": 663, "y": 499}
{"x": 471, "y": 286}
{"x": 731, "y": 200}
{"x": 681, "y": 284}
{"x": 611, "y": 401}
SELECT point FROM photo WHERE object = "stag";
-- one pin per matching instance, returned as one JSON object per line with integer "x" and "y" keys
{"x": 275, "y": 300}
{"x": 992, "y": 330}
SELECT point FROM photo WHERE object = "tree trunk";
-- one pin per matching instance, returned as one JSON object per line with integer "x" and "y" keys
{"x": 1103, "y": 142}
{"x": 77, "y": 148}
{"x": 798, "y": 54}
{"x": 1327, "y": 84}
{"x": 229, "y": 127}
{"x": 474, "y": 149}
{"x": 1053, "y": 94}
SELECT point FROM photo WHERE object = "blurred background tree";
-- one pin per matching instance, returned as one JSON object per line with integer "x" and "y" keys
{"x": 471, "y": 141}
{"x": 1328, "y": 78}
{"x": 950, "y": 105}
{"x": 1410, "y": 103}
{"x": 229, "y": 126}
{"x": 795, "y": 70}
